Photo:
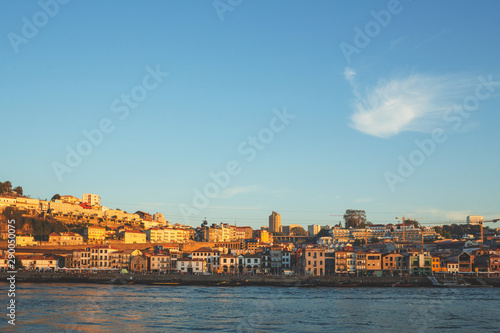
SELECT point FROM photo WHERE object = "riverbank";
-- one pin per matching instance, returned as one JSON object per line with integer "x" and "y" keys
{"x": 240, "y": 280}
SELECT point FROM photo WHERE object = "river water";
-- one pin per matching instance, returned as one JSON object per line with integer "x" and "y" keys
{"x": 141, "y": 308}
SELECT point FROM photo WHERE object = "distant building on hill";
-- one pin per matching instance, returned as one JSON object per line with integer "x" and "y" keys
{"x": 160, "y": 218}
{"x": 275, "y": 222}
{"x": 313, "y": 230}
{"x": 70, "y": 199}
{"x": 91, "y": 199}
{"x": 65, "y": 238}
{"x": 145, "y": 216}
{"x": 474, "y": 220}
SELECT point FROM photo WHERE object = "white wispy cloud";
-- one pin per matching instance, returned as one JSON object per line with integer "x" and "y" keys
{"x": 233, "y": 191}
{"x": 349, "y": 75}
{"x": 396, "y": 42}
{"x": 363, "y": 200}
{"x": 412, "y": 103}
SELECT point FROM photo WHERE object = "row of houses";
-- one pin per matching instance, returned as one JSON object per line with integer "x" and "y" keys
{"x": 416, "y": 262}
{"x": 271, "y": 260}
{"x": 89, "y": 207}
{"x": 381, "y": 231}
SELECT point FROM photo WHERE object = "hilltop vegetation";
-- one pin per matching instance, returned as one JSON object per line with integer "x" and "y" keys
{"x": 6, "y": 188}
{"x": 38, "y": 227}
{"x": 457, "y": 231}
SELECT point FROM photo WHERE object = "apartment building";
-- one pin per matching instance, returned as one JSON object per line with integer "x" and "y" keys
{"x": 100, "y": 256}
{"x": 314, "y": 261}
{"x": 91, "y": 199}
{"x": 395, "y": 263}
{"x": 65, "y": 238}
{"x": 159, "y": 262}
{"x": 190, "y": 266}
{"x": 95, "y": 234}
{"x": 134, "y": 236}
{"x": 345, "y": 261}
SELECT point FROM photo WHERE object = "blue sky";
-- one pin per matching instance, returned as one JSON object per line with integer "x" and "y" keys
{"x": 357, "y": 103}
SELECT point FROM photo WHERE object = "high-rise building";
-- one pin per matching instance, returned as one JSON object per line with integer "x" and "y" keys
{"x": 91, "y": 199}
{"x": 275, "y": 222}
{"x": 474, "y": 220}
{"x": 313, "y": 230}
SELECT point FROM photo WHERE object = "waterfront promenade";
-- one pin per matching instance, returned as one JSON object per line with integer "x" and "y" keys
{"x": 239, "y": 280}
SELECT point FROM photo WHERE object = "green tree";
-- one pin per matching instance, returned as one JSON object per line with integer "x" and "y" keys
{"x": 298, "y": 231}
{"x": 6, "y": 186}
{"x": 358, "y": 242}
{"x": 355, "y": 218}
{"x": 414, "y": 223}
{"x": 323, "y": 233}
{"x": 56, "y": 197}
{"x": 18, "y": 190}
{"x": 374, "y": 240}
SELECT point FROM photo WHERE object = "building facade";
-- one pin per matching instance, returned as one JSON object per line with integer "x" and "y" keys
{"x": 91, "y": 199}
{"x": 314, "y": 261}
{"x": 275, "y": 222}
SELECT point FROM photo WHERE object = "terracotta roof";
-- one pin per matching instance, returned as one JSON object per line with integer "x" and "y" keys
{"x": 204, "y": 249}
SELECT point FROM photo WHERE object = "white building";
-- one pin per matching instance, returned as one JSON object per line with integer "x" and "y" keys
{"x": 100, "y": 256}
{"x": 286, "y": 262}
{"x": 474, "y": 219}
{"x": 313, "y": 229}
{"x": 41, "y": 263}
{"x": 91, "y": 199}
{"x": 188, "y": 265}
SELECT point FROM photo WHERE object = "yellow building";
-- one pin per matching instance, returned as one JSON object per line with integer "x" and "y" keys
{"x": 25, "y": 241}
{"x": 7, "y": 202}
{"x": 266, "y": 237}
{"x": 436, "y": 265}
{"x": 70, "y": 199}
{"x": 65, "y": 238}
{"x": 95, "y": 234}
{"x": 27, "y": 203}
{"x": 134, "y": 236}
{"x": 59, "y": 207}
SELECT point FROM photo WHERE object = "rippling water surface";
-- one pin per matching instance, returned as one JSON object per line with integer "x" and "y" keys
{"x": 139, "y": 308}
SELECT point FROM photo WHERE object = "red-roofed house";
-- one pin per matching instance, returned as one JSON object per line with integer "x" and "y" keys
{"x": 210, "y": 256}
{"x": 40, "y": 263}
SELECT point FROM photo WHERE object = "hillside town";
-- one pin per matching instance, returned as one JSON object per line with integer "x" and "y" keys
{"x": 112, "y": 240}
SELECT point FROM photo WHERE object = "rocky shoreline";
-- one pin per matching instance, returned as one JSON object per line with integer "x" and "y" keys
{"x": 242, "y": 280}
